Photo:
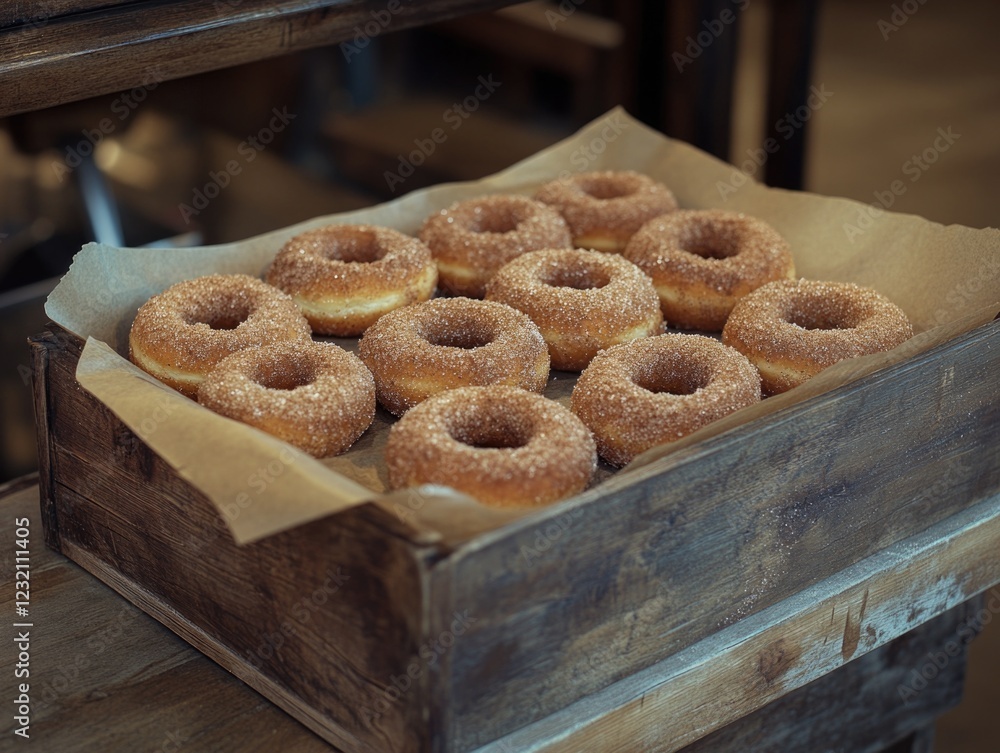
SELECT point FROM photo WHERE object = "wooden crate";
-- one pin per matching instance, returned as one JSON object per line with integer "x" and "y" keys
{"x": 379, "y": 640}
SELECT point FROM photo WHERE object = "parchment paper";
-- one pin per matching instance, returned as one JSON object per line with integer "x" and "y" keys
{"x": 947, "y": 279}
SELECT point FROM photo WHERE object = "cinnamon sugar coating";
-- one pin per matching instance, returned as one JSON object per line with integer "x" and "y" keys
{"x": 793, "y": 329}
{"x": 179, "y": 335}
{"x": 605, "y": 208}
{"x": 655, "y": 390}
{"x": 582, "y": 301}
{"x": 444, "y": 343}
{"x": 316, "y": 396}
{"x": 344, "y": 277}
{"x": 704, "y": 260}
{"x": 472, "y": 239}
{"x": 504, "y": 446}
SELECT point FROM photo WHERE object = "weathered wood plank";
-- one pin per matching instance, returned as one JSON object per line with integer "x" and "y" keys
{"x": 767, "y": 655}
{"x": 578, "y": 597}
{"x": 105, "y": 677}
{"x": 105, "y": 665}
{"x": 858, "y": 707}
{"x": 113, "y": 49}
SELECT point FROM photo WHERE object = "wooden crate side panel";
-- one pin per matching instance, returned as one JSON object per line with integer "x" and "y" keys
{"x": 571, "y": 604}
{"x": 331, "y": 612}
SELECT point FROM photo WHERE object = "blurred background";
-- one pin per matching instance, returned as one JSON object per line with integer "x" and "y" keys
{"x": 910, "y": 93}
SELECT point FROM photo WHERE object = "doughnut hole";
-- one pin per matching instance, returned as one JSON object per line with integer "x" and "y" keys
{"x": 665, "y": 377}
{"x": 285, "y": 374}
{"x": 353, "y": 245}
{"x": 466, "y": 334}
{"x": 221, "y": 315}
{"x": 578, "y": 277}
{"x": 613, "y": 187}
{"x": 492, "y": 219}
{"x": 811, "y": 313}
{"x": 711, "y": 243}
{"x": 490, "y": 430}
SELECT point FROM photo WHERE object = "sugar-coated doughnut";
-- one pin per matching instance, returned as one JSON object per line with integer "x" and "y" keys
{"x": 472, "y": 239}
{"x": 793, "y": 329}
{"x": 504, "y": 446}
{"x": 582, "y": 301}
{"x": 704, "y": 260}
{"x": 656, "y": 390}
{"x": 316, "y": 396}
{"x": 344, "y": 277}
{"x": 179, "y": 335}
{"x": 426, "y": 348}
{"x": 604, "y": 209}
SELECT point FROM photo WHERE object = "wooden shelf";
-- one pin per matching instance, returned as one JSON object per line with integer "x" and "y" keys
{"x": 88, "y": 48}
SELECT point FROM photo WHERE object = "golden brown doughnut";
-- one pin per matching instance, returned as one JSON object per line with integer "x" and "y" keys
{"x": 655, "y": 390}
{"x": 604, "y": 209}
{"x": 426, "y": 348}
{"x": 344, "y": 277}
{"x": 316, "y": 396}
{"x": 793, "y": 329}
{"x": 582, "y": 301}
{"x": 472, "y": 239}
{"x": 180, "y": 335}
{"x": 704, "y": 260}
{"x": 504, "y": 446}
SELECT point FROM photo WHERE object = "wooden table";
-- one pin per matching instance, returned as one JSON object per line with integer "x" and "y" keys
{"x": 104, "y": 676}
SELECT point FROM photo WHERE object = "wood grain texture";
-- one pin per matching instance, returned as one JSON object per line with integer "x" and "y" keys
{"x": 78, "y": 56}
{"x": 105, "y": 677}
{"x": 109, "y": 678}
{"x": 760, "y": 659}
{"x": 652, "y": 561}
{"x": 858, "y": 708}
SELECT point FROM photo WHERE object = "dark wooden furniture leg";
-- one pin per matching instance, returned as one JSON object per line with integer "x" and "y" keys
{"x": 789, "y": 76}
{"x": 698, "y": 64}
